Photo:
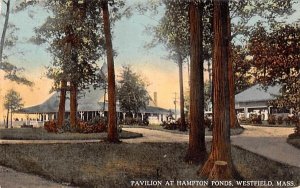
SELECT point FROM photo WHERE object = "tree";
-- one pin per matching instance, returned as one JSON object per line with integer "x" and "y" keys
{"x": 75, "y": 48}
{"x": 132, "y": 93}
{"x": 242, "y": 66}
{"x": 4, "y": 28}
{"x": 197, "y": 151}
{"x": 12, "y": 102}
{"x": 8, "y": 40}
{"x": 276, "y": 59}
{"x": 112, "y": 135}
{"x": 243, "y": 13}
{"x": 221, "y": 147}
{"x": 172, "y": 31}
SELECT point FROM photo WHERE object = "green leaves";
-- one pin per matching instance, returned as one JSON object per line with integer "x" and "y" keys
{"x": 132, "y": 93}
{"x": 12, "y": 100}
{"x": 74, "y": 33}
{"x": 276, "y": 57}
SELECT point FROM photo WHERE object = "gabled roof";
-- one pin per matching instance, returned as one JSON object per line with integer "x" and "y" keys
{"x": 258, "y": 93}
{"x": 89, "y": 100}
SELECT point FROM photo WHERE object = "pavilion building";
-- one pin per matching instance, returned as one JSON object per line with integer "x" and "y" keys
{"x": 90, "y": 104}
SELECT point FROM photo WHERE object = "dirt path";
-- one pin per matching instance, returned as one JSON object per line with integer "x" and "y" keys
{"x": 12, "y": 179}
{"x": 47, "y": 142}
{"x": 155, "y": 136}
{"x": 269, "y": 142}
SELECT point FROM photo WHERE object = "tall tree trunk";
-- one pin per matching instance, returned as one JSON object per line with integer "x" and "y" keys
{"x": 73, "y": 104}
{"x": 4, "y": 30}
{"x": 11, "y": 118}
{"x": 181, "y": 95}
{"x": 233, "y": 118}
{"x": 7, "y": 118}
{"x": 209, "y": 65}
{"x": 112, "y": 135}
{"x": 197, "y": 150}
{"x": 62, "y": 104}
{"x": 221, "y": 147}
{"x": 104, "y": 99}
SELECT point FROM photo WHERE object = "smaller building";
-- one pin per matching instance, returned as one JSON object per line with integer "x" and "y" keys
{"x": 255, "y": 100}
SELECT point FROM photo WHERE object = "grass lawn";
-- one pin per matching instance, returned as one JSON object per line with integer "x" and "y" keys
{"x": 160, "y": 128}
{"x": 42, "y": 134}
{"x": 115, "y": 165}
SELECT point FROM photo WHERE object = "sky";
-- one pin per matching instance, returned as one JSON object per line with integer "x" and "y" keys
{"x": 129, "y": 38}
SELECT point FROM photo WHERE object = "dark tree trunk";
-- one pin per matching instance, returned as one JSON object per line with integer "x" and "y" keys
{"x": 181, "y": 95}
{"x": 62, "y": 104}
{"x": 7, "y": 118}
{"x": 104, "y": 99}
{"x": 112, "y": 135}
{"x": 209, "y": 65}
{"x": 4, "y": 30}
{"x": 233, "y": 118}
{"x": 73, "y": 105}
{"x": 11, "y": 118}
{"x": 197, "y": 150}
{"x": 221, "y": 147}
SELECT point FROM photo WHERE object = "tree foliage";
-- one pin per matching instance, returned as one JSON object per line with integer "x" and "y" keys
{"x": 242, "y": 65}
{"x": 12, "y": 100}
{"x": 243, "y": 12}
{"x": 76, "y": 42}
{"x": 132, "y": 92}
{"x": 7, "y": 42}
{"x": 276, "y": 58}
{"x": 173, "y": 30}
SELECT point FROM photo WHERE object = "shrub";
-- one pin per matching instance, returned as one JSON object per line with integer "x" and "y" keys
{"x": 67, "y": 126}
{"x": 96, "y": 125}
{"x": 173, "y": 125}
{"x": 297, "y": 130}
{"x": 280, "y": 120}
{"x": 287, "y": 120}
{"x": 244, "y": 120}
{"x": 51, "y": 126}
{"x": 129, "y": 121}
{"x": 295, "y": 120}
{"x": 208, "y": 123}
{"x": 272, "y": 120}
{"x": 256, "y": 119}
{"x": 170, "y": 125}
{"x": 135, "y": 121}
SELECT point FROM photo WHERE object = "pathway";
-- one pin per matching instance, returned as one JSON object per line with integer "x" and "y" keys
{"x": 13, "y": 179}
{"x": 269, "y": 142}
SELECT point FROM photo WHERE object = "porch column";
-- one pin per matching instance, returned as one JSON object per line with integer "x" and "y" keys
{"x": 124, "y": 115}
{"x": 246, "y": 112}
{"x": 142, "y": 116}
{"x": 81, "y": 115}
